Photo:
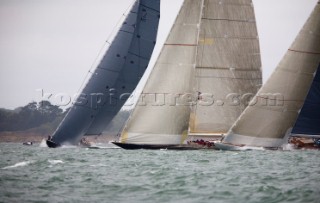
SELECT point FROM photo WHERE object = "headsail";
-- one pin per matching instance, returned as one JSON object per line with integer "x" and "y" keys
{"x": 309, "y": 117}
{"x": 266, "y": 122}
{"x": 162, "y": 115}
{"x": 116, "y": 75}
{"x": 228, "y": 71}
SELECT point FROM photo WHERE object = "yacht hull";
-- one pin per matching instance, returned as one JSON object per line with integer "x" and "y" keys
{"x": 129, "y": 146}
{"x": 52, "y": 144}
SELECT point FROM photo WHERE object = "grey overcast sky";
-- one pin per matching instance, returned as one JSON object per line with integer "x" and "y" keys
{"x": 51, "y": 44}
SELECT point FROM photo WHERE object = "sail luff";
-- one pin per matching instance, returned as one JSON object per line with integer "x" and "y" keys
{"x": 136, "y": 62}
{"x": 162, "y": 115}
{"x": 228, "y": 70}
{"x": 98, "y": 101}
{"x": 274, "y": 111}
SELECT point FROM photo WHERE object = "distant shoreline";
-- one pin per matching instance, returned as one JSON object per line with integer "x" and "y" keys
{"x": 20, "y": 137}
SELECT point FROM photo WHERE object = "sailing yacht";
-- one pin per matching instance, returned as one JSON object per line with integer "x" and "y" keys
{"x": 116, "y": 75}
{"x": 213, "y": 48}
{"x": 269, "y": 120}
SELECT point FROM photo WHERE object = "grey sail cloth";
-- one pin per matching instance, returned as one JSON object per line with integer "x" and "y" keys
{"x": 162, "y": 115}
{"x": 228, "y": 72}
{"x": 275, "y": 109}
{"x": 115, "y": 77}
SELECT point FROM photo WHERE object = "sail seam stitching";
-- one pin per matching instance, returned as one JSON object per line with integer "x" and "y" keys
{"x": 223, "y": 37}
{"x": 190, "y": 45}
{"x": 228, "y": 68}
{"x": 305, "y": 52}
{"x": 138, "y": 55}
{"x": 225, "y": 19}
{"x": 127, "y": 32}
{"x": 229, "y": 78}
{"x": 108, "y": 70}
{"x": 150, "y": 8}
{"x": 288, "y": 100}
{"x": 248, "y": 5}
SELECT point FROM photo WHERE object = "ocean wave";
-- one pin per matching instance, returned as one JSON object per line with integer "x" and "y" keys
{"x": 55, "y": 161}
{"x": 43, "y": 144}
{"x": 19, "y": 164}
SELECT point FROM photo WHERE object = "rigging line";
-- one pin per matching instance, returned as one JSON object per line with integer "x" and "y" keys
{"x": 202, "y": 12}
{"x": 113, "y": 30}
{"x": 103, "y": 46}
{"x": 123, "y": 15}
{"x": 202, "y": 53}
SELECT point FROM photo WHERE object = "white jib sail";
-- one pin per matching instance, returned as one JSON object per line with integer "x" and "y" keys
{"x": 162, "y": 115}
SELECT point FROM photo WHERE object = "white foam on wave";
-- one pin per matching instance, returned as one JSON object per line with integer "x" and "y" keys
{"x": 104, "y": 146}
{"x": 55, "y": 161}
{"x": 99, "y": 165}
{"x": 43, "y": 144}
{"x": 67, "y": 146}
{"x": 19, "y": 164}
{"x": 288, "y": 147}
{"x": 245, "y": 148}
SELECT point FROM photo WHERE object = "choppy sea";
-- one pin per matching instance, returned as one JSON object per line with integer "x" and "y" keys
{"x": 38, "y": 174}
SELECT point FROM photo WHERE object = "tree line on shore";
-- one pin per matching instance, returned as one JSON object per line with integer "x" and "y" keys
{"x": 42, "y": 114}
{"x": 44, "y": 117}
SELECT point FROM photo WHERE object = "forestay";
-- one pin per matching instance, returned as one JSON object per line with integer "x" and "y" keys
{"x": 267, "y": 121}
{"x": 115, "y": 76}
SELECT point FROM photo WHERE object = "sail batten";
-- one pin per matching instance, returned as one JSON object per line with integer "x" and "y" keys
{"x": 274, "y": 117}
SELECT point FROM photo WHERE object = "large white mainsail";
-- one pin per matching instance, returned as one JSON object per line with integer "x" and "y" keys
{"x": 276, "y": 107}
{"x": 228, "y": 71}
{"x": 163, "y": 115}
{"x": 116, "y": 75}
